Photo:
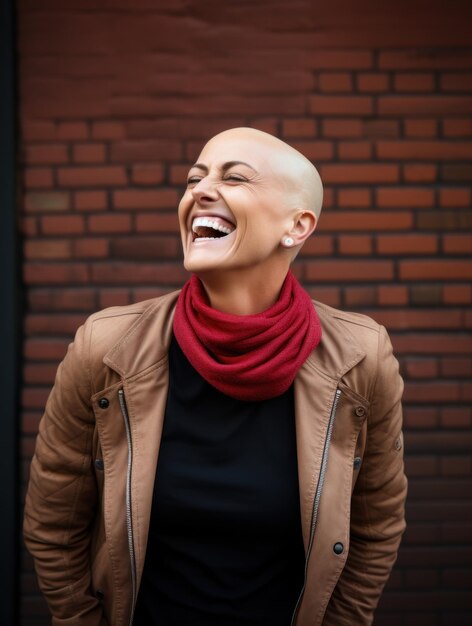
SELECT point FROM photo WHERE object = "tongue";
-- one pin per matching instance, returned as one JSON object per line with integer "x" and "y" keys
{"x": 206, "y": 231}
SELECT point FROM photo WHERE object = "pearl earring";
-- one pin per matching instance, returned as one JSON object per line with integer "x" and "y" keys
{"x": 287, "y": 242}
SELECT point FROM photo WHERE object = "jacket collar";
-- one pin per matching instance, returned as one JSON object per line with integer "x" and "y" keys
{"x": 147, "y": 341}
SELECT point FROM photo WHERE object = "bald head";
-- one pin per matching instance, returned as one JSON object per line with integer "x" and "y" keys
{"x": 303, "y": 183}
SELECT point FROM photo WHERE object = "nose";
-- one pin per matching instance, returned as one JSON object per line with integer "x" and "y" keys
{"x": 205, "y": 191}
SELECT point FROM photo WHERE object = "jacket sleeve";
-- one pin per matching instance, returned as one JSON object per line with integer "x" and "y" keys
{"x": 378, "y": 502}
{"x": 61, "y": 497}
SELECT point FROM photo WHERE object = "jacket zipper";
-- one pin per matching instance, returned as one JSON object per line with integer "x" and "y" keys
{"x": 129, "y": 520}
{"x": 319, "y": 489}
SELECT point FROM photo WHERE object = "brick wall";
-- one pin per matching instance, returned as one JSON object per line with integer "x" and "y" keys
{"x": 116, "y": 98}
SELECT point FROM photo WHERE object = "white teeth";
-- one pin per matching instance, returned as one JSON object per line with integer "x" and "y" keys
{"x": 209, "y": 223}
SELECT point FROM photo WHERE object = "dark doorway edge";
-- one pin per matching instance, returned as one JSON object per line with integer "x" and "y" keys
{"x": 10, "y": 324}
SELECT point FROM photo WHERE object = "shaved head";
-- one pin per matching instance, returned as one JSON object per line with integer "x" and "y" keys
{"x": 303, "y": 183}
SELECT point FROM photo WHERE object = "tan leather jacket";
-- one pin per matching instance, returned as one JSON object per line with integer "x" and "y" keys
{"x": 89, "y": 497}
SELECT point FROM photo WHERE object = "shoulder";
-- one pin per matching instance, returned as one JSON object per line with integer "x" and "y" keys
{"x": 104, "y": 330}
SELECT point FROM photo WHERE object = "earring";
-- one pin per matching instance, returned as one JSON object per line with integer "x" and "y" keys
{"x": 287, "y": 242}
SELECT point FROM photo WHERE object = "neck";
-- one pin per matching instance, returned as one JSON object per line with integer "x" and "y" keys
{"x": 240, "y": 294}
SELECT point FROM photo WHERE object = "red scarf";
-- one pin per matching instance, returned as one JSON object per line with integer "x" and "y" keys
{"x": 248, "y": 357}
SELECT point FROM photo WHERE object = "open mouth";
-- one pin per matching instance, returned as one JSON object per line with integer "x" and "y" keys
{"x": 207, "y": 228}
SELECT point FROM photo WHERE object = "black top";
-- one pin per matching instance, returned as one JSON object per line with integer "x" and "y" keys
{"x": 225, "y": 545}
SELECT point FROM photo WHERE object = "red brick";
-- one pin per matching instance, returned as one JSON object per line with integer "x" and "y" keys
{"x": 139, "y": 273}
{"x": 437, "y": 269}
{"x": 356, "y": 297}
{"x": 431, "y": 393}
{"x": 342, "y": 59}
{"x": 432, "y": 343}
{"x": 63, "y": 225}
{"x": 139, "y": 294}
{"x": 421, "y": 465}
{"x": 418, "y": 59}
{"x": 422, "y": 319}
{"x": 90, "y": 200}
{"x": 420, "y": 173}
{"x": 328, "y": 197}
{"x": 315, "y": 150}
{"x": 46, "y": 202}
{"x": 355, "y": 244}
{"x": 90, "y": 248}
{"x": 72, "y": 130}
{"x": 38, "y": 154}
{"x": 460, "y": 82}
{"x": 421, "y": 128}
{"x": 424, "y": 105}
{"x": 37, "y": 130}
{"x": 109, "y": 223}
{"x": 342, "y": 127}
{"x": 372, "y": 82}
{"x": 444, "y": 220}
{"x": 354, "y": 150}
{"x": 114, "y": 297}
{"x": 360, "y": 173}
{"x": 53, "y": 324}
{"x": 414, "y": 82}
{"x": 299, "y": 127}
{"x": 29, "y": 226}
{"x": 404, "y": 197}
{"x": 381, "y": 128}
{"x": 340, "y": 105}
{"x": 108, "y": 130}
{"x": 163, "y": 247}
{"x": 112, "y": 176}
{"x": 54, "y": 273}
{"x": 146, "y": 150}
{"x": 455, "y": 465}
{"x": 389, "y": 295}
{"x": 427, "y": 150}
{"x": 457, "y": 294}
{"x": 62, "y": 299}
{"x": 457, "y": 127}
{"x": 178, "y": 173}
{"x": 349, "y": 270}
{"x": 455, "y": 197}
{"x": 354, "y": 198}
{"x": 335, "y": 82}
{"x": 420, "y": 417}
{"x": 157, "y": 223}
{"x": 146, "y": 199}
{"x": 147, "y": 174}
{"x": 365, "y": 221}
{"x": 457, "y": 244}
{"x": 47, "y": 249}
{"x": 266, "y": 124}
{"x": 89, "y": 153}
{"x": 456, "y": 417}
{"x": 407, "y": 244}
{"x": 328, "y": 295}
{"x": 457, "y": 367}
{"x": 38, "y": 178}
{"x": 421, "y": 368}
{"x": 318, "y": 245}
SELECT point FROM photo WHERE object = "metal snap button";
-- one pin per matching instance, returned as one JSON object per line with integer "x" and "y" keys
{"x": 99, "y": 464}
{"x": 103, "y": 403}
{"x": 338, "y": 548}
{"x": 357, "y": 462}
{"x": 359, "y": 411}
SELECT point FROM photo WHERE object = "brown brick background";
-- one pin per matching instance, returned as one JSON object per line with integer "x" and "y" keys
{"x": 116, "y": 99}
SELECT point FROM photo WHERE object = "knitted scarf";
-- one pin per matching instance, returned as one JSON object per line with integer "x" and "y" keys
{"x": 247, "y": 357}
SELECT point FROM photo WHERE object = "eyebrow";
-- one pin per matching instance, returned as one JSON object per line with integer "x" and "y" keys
{"x": 224, "y": 167}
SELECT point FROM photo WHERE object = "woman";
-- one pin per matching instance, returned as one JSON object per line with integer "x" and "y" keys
{"x": 230, "y": 454}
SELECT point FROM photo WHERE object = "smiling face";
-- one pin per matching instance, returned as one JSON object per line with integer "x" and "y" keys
{"x": 243, "y": 195}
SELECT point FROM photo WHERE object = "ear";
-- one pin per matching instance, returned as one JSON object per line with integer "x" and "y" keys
{"x": 303, "y": 224}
